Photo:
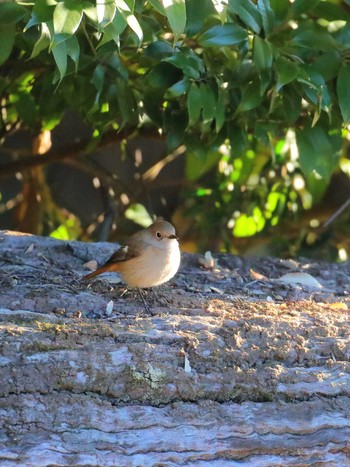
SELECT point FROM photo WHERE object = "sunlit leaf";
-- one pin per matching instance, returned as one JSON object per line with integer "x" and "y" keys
{"x": 130, "y": 18}
{"x": 43, "y": 42}
{"x": 138, "y": 214}
{"x": 105, "y": 11}
{"x": 175, "y": 11}
{"x": 114, "y": 29}
{"x": 67, "y": 16}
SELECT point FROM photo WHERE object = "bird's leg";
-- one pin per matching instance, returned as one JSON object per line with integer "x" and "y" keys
{"x": 145, "y": 304}
{"x": 125, "y": 291}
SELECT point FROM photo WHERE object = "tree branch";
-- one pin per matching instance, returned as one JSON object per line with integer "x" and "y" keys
{"x": 77, "y": 150}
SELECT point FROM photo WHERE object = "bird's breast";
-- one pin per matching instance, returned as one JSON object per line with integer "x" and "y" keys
{"x": 154, "y": 267}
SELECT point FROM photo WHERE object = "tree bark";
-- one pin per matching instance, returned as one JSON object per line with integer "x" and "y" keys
{"x": 227, "y": 369}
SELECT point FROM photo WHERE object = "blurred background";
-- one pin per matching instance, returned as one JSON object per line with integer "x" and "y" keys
{"x": 229, "y": 119}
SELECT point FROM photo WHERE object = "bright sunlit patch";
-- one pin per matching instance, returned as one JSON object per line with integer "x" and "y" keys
{"x": 224, "y": 150}
{"x": 342, "y": 254}
{"x": 138, "y": 213}
{"x": 96, "y": 182}
{"x": 314, "y": 223}
{"x": 219, "y": 5}
{"x": 298, "y": 182}
{"x": 231, "y": 223}
{"x": 124, "y": 198}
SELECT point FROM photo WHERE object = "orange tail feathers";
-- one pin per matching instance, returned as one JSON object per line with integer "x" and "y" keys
{"x": 105, "y": 268}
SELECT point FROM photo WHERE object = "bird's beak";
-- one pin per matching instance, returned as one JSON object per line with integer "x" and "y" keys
{"x": 175, "y": 237}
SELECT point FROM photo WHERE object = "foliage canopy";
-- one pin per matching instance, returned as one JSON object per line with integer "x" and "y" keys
{"x": 259, "y": 89}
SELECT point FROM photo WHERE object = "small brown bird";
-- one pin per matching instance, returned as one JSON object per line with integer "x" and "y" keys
{"x": 148, "y": 258}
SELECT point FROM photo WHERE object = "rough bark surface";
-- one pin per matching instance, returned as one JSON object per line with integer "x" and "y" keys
{"x": 231, "y": 367}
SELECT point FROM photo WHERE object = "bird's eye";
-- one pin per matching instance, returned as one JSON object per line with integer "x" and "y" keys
{"x": 159, "y": 235}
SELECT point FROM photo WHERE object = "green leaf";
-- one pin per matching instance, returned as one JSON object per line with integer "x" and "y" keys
{"x": 129, "y": 17}
{"x": 327, "y": 64}
{"x": 247, "y": 226}
{"x": 175, "y": 11}
{"x": 267, "y": 15}
{"x": 331, "y": 11}
{"x": 248, "y": 13}
{"x": 300, "y": 7}
{"x": 287, "y": 71}
{"x": 343, "y": 91}
{"x": 238, "y": 139}
{"x": 59, "y": 52}
{"x": 194, "y": 104}
{"x": 73, "y": 50}
{"x": 67, "y": 16}
{"x": 98, "y": 78}
{"x": 199, "y": 159}
{"x": 175, "y": 124}
{"x": 158, "y": 50}
{"x": 90, "y": 11}
{"x": 220, "y": 110}
{"x": 114, "y": 29}
{"x": 105, "y": 12}
{"x": 251, "y": 97}
{"x": 319, "y": 151}
{"x": 208, "y": 102}
{"x": 187, "y": 61}
{"x": 162, "y": 76}
{"x": 314, "y": 37}
{"x": 262, "y": 54}
{"x": 280, "y": 9}
{"x": 138, "y": 214}
{"x": 198, "y": 12}
{"x": 42, "y": 12}
{"x": 157, "y": 6}
{"x": 223, "y": 35}
{"x": 11, "y": 13}
{"x": 43, "y": 42}
{"x": 127, "y": 104}
{"x": 178, "y": 89}
{"x": 7, "y": 39}
{"x": 291, "y": 103}
{"x": 26, "y": 107}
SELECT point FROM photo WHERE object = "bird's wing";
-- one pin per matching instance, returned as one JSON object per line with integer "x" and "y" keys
{"x": 132, "y": 249}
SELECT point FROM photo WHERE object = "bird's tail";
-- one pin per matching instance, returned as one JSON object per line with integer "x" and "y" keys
{"x": 101, "y": 270}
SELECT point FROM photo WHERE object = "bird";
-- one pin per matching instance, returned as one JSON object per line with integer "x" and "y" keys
{"x": 148, "y": 258}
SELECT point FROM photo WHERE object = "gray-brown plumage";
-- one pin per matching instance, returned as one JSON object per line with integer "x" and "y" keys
{"x": 150, "y": 257}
